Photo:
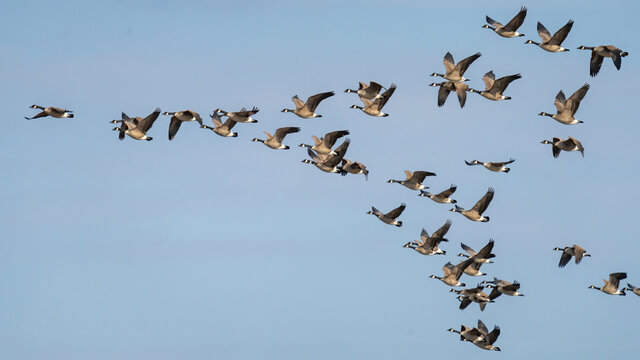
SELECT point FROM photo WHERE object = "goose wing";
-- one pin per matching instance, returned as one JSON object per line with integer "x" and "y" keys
{"x": 442, "y": 231}
{"x": 145, "y": 124}
{"x": 577, "y": 143}
{"x": 217, "y": 121}
{"x": 331, "y": 137}
{"x": 463, "y": 64}
{"x": 560, "y": 101}
{"x": 299, "y": 103}
{"x": 501, "y": 84}
{"x": 448, "y": 62}
{"x": 443, "y": 93}
{"x": 504, "y": 162}
{"x": 459, "y": 269}
{"x": 564, "y": 259}
{"x": 517, "y": 20}
{"x": 485, "y": 252}
{"x": 596, "y": 63}
{"x": 488, "y": 79}
{"x": 247, "y": 113}
{"x": 543, "y": 33}
{"x": 424, "y": 237}
{"x": 482, "y": 328}
{"x": 493, "y": 335}
{"x": 341, "y": 151}
{"x": 419, "y": 176}
{"x": 614, "y": 278}
{"x": 283, "y": 131}
{"x": 396, "y": 212}
{"x": 448, "y": 192}
{"x": 174, "y": 126}
{"x": 313, "y": 101}
{"x": 483, "y": 203}
{"x": 561, "y": 34}
{"x": 461, "y": 90}
{"x": 616, "y": 56}
{"x": 468, "y": 249}
{"x": 490, "y": 21}
{"x": 573, "y": 103}
{"x": 375, "y": 87}
{"x": 380, "y": 102}
{"x": 578, "y": 252}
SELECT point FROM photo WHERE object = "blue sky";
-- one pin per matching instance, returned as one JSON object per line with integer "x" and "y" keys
{"x": 207, "y": 247}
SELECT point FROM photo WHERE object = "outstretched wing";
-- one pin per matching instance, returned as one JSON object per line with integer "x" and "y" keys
{"x": 283, "y": 131}
{"x": 573, "y": 103}
{"x": 481, "y": 205}
{"x": 443, "y": 94}
{"x": 396, "y": 212}
{"x": 145, "y": 124}
{"x": 385, "y": 96}
{"x": 448, "y": 192}
{"x": 493, "y": 22}
{"x": 596, "y": 63}
{"x": 517, "y": 20}
{"x": 561, "y": 34}
{"x": 501, "y": 84}
{"x": 419, "y": 176}
{"x": 174, "y": 126}
{"x": 560, "y": 101}
{"x": 543, "y": 32}
{"x": 488, "y": 79}
{"x": 448, "y": 62}
{"x": 442, "y": 231}
{"x": 313, "y": 101}
{"x": 331, "y": 137}
{"x": 463, "y": 65}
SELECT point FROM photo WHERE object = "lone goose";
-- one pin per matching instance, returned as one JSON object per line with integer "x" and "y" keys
{"x": 329, "y": 163}
{"x": 488, "y": 338}
{"x": 323, "y": 145}
{"x": 568, "y": 252}
{"x": 452, "y": 273}
{"x": 566, "y": 108}
{"x": 307, "y": 109}
{"x": 374, "y": 108}
{"x": 448, "y": 86}
{"x": 598, "y": 54}
{"x": 504, "y": 287}
{"x": 571, "y": 144}
{"x": 493, "y": 166}
{"x": 242, "y": 116}
{"x": 390, "y": 217}
{"x": 455, "y": 72}
{"x": 611, "y": 287}
{"x": 275, "y": 141}
{"x": 549, "y": 43}
{"x": 509, "y": 30}
{"x": 55, "y": 112}
{"x": 443, "y": 197}
{"x": 494, "y": 88}
{"x": 177, "y": 118}
{"x": 633, "y": 289}
{"x": 467, "y": 334}
{"x": 429, "y": 244}
{"x": 220, "y": 128}
{"x": 355, "y": 167}
{"x": 475, "y": 214}
{"x": 481, "y": 256}
{"x": 371, "y": 91}
{"x": 414, "y": 180}
{"x": 137, "y": 127}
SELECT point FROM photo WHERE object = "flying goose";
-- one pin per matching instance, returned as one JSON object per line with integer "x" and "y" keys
{"x": 557, "y": 144}
{"x": 488, "y": 338}
{"x": 137, "y": 127}
{"x": 481, "y": 298}
{"x": 323, "y": 145}
{"x": 455, "y": 72}
{"x": 549, "y": 43}
{"x": 509, "y": 30}
{"x": 474, "y": 269}
{"x": 374, "y": 108}
{"x": 598, "y": 54}
{"x": 414, "y": 180}
{"x": 494, "y": 88}
{"x": 220, "y": 128}
{"x": 371, "y": 91}
{"x": 443, "y": 197}
{"x": 475, "y": 213}
{"x": 177, "y": 118}
{"x": 452, "y": 273}
{"x": 307, "y": 110}
{"x": 568, "y": 252}
{"x": 448, "y": 86}
{"x": 504, "y": 287}
{"x": 55, "y": 112}
{"x": 390, "y": 217}
{"x": 242, "y": 116}
{"x": 481, "y": 256}
{"x": 566, "y": 108}
{"x": 329, "y": 163}
{"x": 493, "y": 166}
{"x": 275, "y": 141}
{"x": 611, "y": 287}
{"x": 633, "y": 289}
{"x": 355, "y": 167}
{"x": 429, "y": 244}
{"x": 467, "y": 334}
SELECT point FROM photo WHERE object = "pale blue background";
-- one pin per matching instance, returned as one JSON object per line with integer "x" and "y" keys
{"x": 206, "y": 247}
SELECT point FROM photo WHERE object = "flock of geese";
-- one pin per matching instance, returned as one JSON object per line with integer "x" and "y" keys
{"x": 327, "y": 157}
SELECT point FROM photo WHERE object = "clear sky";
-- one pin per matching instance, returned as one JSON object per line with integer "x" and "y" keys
{"x": 219, "y": 248}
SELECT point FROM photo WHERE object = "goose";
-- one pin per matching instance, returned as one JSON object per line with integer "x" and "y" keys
{"x": 469, "y": 291}
{"x": 373, "y": 108}
{"x": 52, "y": 111}
{"x": 448, "y": 86}
{"x": 475, "y": 213}
{"x": 455, "y": 72}
{"x": 221, "y": 129}
{"x": 509, "y": 30}
{"x": 414, "y": 179}
{"x": 494, "y": 88}
{"x": 323, "y": 145}
{"x": 481, "y": 298}
{"x": 481, "y": 256}
{"x": 566, "y": 108}
{"x": 493, "y": 166}
{"x": 177, "y": 118}
{"x": 355, "y": 167}
{"x": 452, "y": 273}
{"x": 390, "y": 217}
{"x": 429, "y": 244}
{"x": 568, "y": 252}
{"x": 329, "y": 163}
{"x": 549, "y": 43}
{"x": 598, "y": 54}
{"x": 611, "y": 287}
{"x": 633, "y": 289}
{"x": 307, "y": 110}
{"x": 371, "y": 91}
{"x": 571, "y": 144}
{"x": 467, "y": 334}
{"x": 488, "y": 338}
{"x": 504, "y": 287}
{"x": 275, "y": 141}
{"x": 474, "y": 269}
{"x": 137, "y": 127}
{"x": 443, "y": 197}
{"x": 242, "y": 116}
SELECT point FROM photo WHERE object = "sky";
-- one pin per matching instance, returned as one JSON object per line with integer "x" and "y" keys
{"x": 209, "y": 247}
